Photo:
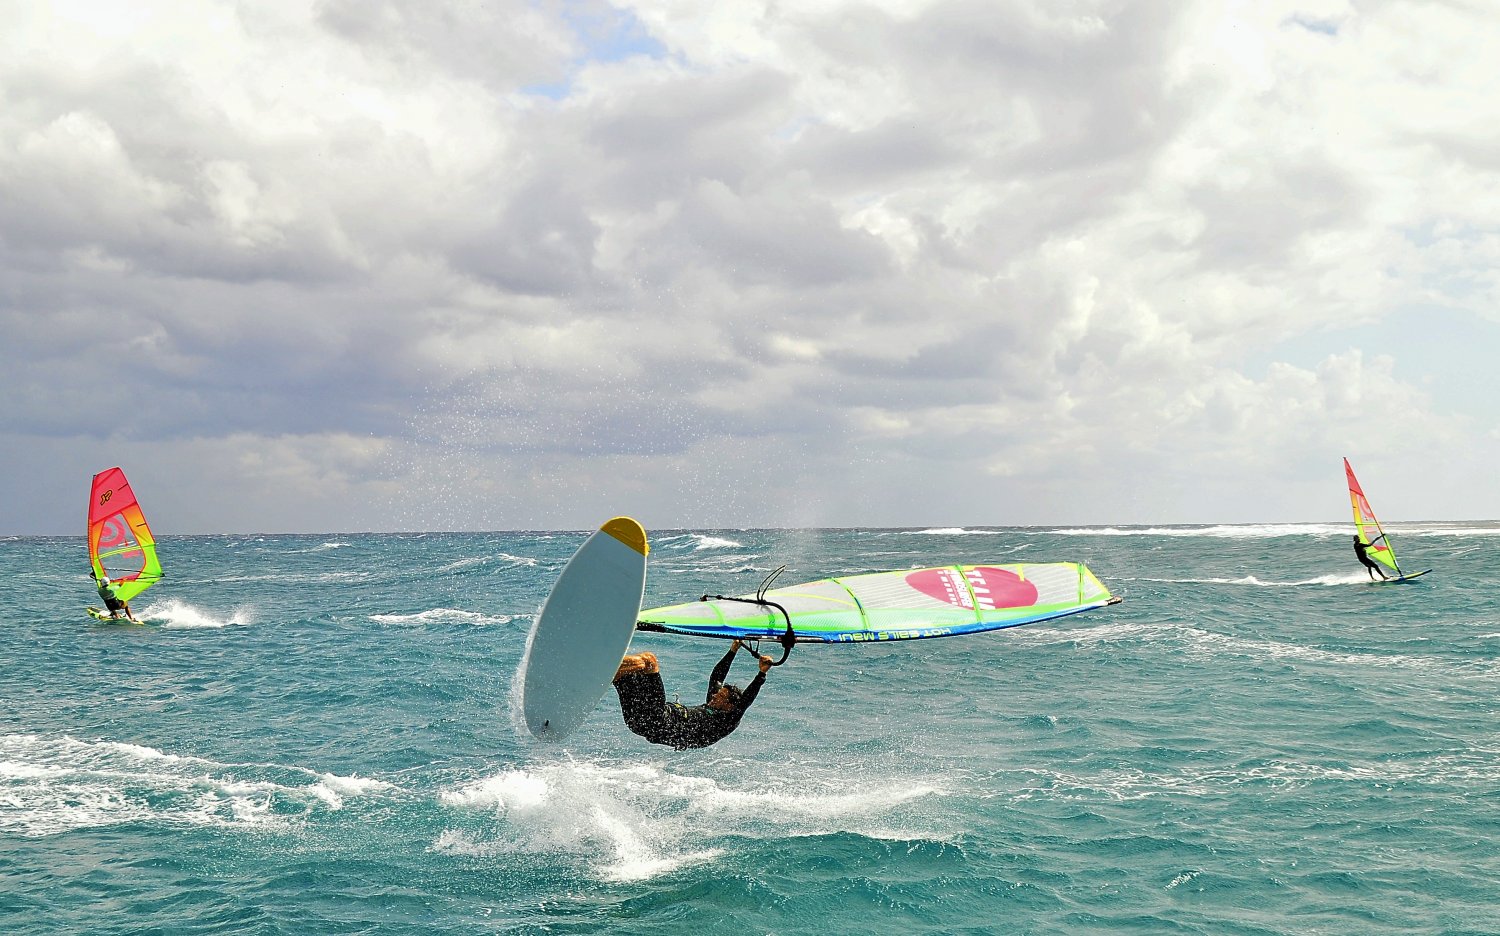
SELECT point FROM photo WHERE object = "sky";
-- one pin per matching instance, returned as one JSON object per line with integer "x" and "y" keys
{"x": 376, "y": 265}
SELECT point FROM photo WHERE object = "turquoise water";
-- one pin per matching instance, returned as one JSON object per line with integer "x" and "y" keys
{"x": 317, "y": 734}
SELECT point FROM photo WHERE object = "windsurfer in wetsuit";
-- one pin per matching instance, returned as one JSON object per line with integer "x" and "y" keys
{"x": 1361, "y": 550}
{"x": 112, "y": 604}
{"x": 643, "y": 701}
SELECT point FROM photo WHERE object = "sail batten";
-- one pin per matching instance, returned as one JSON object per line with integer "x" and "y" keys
{"x": 901, "y": 605}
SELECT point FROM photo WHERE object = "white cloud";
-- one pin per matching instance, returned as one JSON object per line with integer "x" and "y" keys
{"x": 818, "y": 263}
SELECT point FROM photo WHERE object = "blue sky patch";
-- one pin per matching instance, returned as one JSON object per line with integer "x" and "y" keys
{"x": 606, "y": 34}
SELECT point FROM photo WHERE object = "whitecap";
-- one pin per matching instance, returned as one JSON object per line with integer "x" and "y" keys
{"x": 1182, "y": 878}
{"x": 57, "y": 785}
{"x": 1464, "y": 769}
{"x": 334, "y": 789}
{"x": 177, "y": 614}
{"x": 470, "y": 562}
{"x": 1212, "y": 643}
{"x": 638, "y": 821}
{"x": 444, "y": 616}
{"x": 705, "y": 541}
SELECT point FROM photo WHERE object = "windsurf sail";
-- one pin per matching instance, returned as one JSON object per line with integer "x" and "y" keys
{"x": 1377, "y": 544}
{"x": 121, "y": 547}
{"x": 903, "y": 605}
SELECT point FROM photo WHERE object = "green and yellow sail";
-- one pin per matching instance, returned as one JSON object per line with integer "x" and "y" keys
{"x": 1377, "y": 545}
{"x": 902, "y": 605}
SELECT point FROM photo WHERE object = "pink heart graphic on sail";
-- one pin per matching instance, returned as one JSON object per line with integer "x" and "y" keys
{"x": 992, "y": 587}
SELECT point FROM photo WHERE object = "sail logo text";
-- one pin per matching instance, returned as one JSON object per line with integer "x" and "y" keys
{"x": 894, "y": 635}
{"x": 104, "y": 498}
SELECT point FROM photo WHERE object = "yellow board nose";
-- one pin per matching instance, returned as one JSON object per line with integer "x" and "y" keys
{"x": 629, "y": 532}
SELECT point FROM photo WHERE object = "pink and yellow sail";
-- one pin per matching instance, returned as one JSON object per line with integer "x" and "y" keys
{"x": 121, "y": 547}
{"x": 1378, "y": 547}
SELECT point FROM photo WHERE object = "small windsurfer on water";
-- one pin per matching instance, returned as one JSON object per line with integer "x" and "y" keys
{"x": 112, "y": 604}
{"x": 643, "y": 702}
{"x": 1361, "y": 549}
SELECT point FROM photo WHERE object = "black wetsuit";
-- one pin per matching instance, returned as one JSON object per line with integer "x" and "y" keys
{"x": 111, "y": 604}
{"x": 1360, "y": 550}
{"x": 643, "y": 700}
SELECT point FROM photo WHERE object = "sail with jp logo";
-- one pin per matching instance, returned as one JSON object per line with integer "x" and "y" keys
{"x": 122, "y": 551}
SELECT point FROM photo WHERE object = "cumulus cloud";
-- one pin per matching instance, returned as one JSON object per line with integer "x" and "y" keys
{"x": 425, "y": 264}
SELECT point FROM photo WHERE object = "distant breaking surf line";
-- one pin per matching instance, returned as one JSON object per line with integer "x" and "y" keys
{"x": 1220, "y": 531}
{"x": 1325, "y": 580}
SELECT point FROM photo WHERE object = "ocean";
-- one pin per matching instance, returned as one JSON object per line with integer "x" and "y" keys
{"x": 320, "y": 735}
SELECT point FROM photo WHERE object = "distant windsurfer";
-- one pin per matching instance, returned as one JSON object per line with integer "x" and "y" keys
{"x": 1362, "y": 551}
{"x": 643, "y": 701}
{"x": 112, "y": 604}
